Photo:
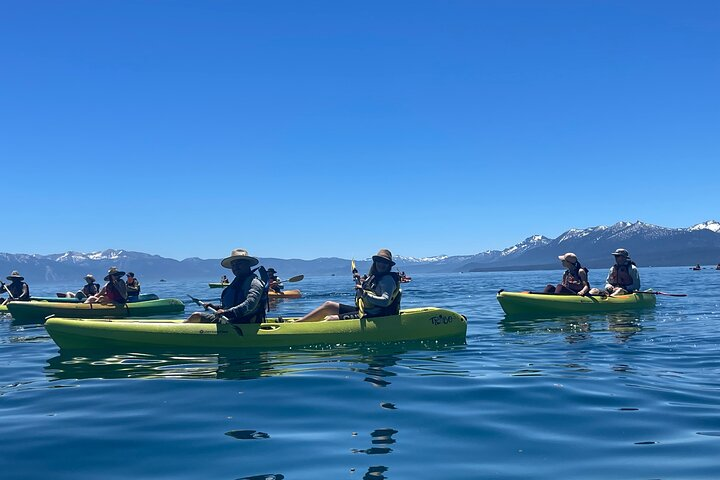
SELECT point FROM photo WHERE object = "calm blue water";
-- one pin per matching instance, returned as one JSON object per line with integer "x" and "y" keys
{"x": 612, "y": 396}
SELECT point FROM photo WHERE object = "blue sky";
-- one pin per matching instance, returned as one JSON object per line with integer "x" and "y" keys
{"x": 308, "y": 129}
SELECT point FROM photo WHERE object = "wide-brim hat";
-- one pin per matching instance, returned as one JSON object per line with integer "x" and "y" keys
{"x": 384, "y": 254}
{"x": 239, "y": 254}
{"x": 621, "y": 252}
{"x": 570, "y": 257}
{"x": 15, "y": 276}
{"x": 271, "y": 270}
{"x": 90, "y": 276}
{"x": 113, "y": 272}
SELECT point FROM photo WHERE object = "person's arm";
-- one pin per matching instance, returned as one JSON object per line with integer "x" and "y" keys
{"x": 582, "y": 273}
{"x": 26, "y": 292}
{"x": 608, "y": 285}
{"x": 122, "y": 288}
{"x": 387, "y": 287}
{"x": 250, "y": 304}
{"x": 635, "y": 274}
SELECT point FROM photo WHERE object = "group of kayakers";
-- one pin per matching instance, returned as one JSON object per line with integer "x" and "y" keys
{"x": 245, "y": 299}
{"x": 116, "y": 290}
{"x": 623, "y": 277}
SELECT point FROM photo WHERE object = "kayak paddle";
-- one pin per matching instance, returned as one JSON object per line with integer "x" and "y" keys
{"x": 294, "y": 279}
{"x": 205, "y": 305}
{"x": 666, "y": 294}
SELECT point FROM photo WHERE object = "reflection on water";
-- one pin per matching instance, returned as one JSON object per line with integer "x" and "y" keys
{"x": 253, "y": 364}
{"x": 267, "y": 476}
{"x": 382, "y": 437}
{"x": 578, "y": 328}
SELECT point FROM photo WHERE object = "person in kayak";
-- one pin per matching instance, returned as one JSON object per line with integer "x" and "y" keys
{"x": 623, "y": 277}
{"x": 377, "y": 296}
{"x": 133, "y": 287}
{"x": 574, "y": 280}
{"x": 17, "y": 289}
{"x": 244, "y": 300}
{"x": 114, "y": 291}
{"x": 90, "y": 288}
{"x": 275, "y": 283}
{"x": 224, "y": 279}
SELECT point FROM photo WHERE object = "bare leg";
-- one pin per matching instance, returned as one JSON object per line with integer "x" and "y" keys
{"x": 327, "y": 308}
{"x": 194, "y": 318}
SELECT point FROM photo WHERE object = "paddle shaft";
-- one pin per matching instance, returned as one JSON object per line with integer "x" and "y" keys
{"x": 206, "y": 306}
{"x": 666, "y": 294}
{"x": 12, "y": 297}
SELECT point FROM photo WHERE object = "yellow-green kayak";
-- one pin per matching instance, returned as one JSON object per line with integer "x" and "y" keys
{"x": 525, "y": 303}
{"x": 413, "y": 324}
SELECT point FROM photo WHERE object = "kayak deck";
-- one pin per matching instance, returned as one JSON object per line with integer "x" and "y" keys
{"x": 411, "y": 324}
{"x": 525, "y": 303}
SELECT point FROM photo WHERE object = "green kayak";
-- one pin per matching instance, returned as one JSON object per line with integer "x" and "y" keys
{"x": 525, "y": 303}
{"x": 142, "y": 298}
{"x": 412, "y": 324}
{"x": 37, "y": 311}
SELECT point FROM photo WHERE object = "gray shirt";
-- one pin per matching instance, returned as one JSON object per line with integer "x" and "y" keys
{"x": 634, "y": 274}
{"x": 242, "y": 296}
{"x": 380, "y": 296}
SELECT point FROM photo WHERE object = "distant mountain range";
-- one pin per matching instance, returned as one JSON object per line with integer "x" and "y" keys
{"x": 649, "y": 245}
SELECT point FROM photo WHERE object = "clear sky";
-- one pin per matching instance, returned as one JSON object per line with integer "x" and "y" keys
{"x": 300, "y": 129}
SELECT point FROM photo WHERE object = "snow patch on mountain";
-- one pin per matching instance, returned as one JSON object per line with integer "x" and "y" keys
{"x": 399, "y": 258}
{"x": 530, "y": 242}
{"x": 711, "y": 225}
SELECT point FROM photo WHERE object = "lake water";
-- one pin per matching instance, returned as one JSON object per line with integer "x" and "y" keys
{"x": 632, "y": 395}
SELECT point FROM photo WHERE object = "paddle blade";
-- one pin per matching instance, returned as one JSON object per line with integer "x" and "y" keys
{"x": 296, "y": 278}
{"x": 352, "y": 265}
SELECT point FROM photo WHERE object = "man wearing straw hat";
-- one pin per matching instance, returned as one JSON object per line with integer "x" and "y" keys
{"x": 17, "y": 289}
{"x": 244, "y": 300}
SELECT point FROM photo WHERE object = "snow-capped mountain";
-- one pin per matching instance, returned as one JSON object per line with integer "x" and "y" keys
{"x": 711, "y": 225}
{"x": 648, "y": 244}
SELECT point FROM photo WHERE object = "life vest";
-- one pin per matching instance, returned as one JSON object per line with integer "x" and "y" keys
{"x": 240, "y": 295}
{"x": 111, "y": 292}
{"x": 277, "y": 288}
{"x": 572, "y": 280}
{"x": 16, "y": 289}
{"x": 369, "y": 284}
{"x": 91, "y": 289}
{"x": 620, "y": 275}
{"x": 133, "y": 287}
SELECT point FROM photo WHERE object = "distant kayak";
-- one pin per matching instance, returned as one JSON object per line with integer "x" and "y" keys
{"x": 218, "y": 285}
{"x": 524, "y": 303}
{"x": 405, "y": 279}
{"x": 285, "y": 294}
{"x": 144, "y": 297}
{"x": 412, "y": 324}
{"x": 37, "y": 311}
